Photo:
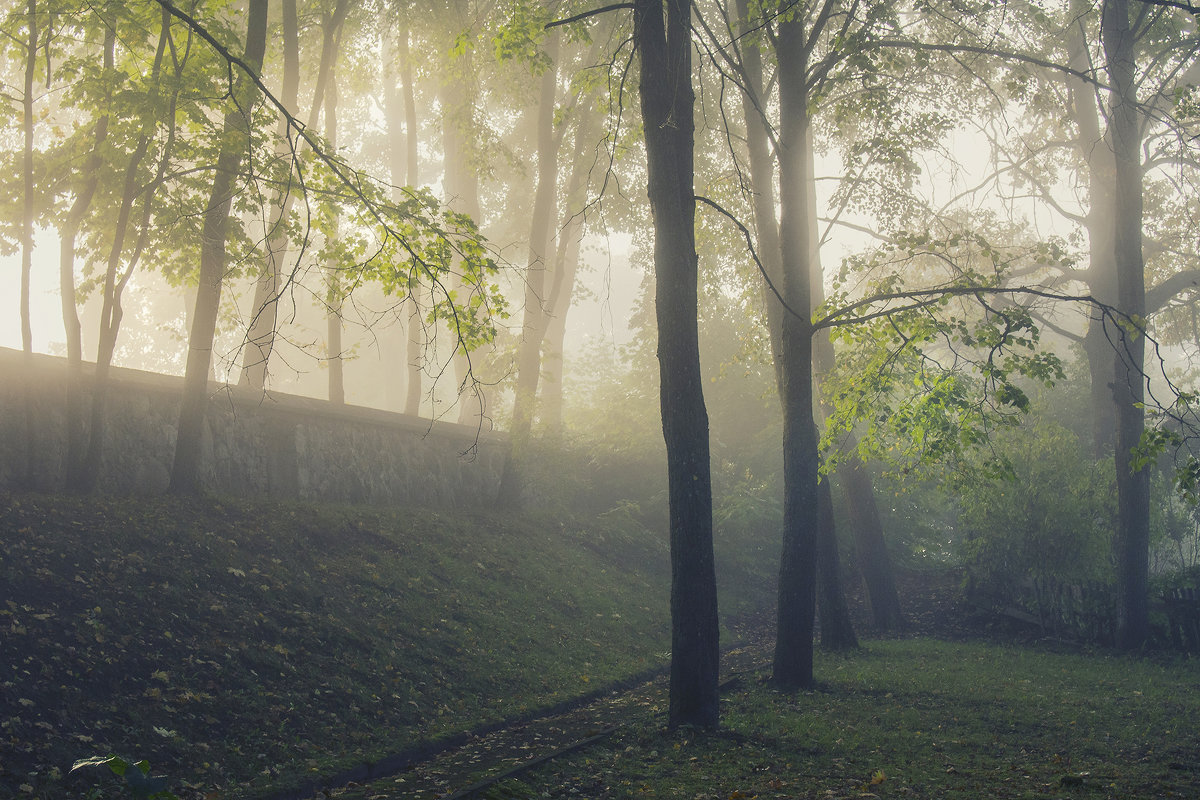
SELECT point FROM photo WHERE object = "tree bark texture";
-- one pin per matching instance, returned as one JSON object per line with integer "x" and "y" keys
{"x": 215, "y": 225}
{"x": 837, "y": 631}
{"x": 667, "y": 103}
{"x": 1133, "y": 487}
{"x": 793, "y": 662}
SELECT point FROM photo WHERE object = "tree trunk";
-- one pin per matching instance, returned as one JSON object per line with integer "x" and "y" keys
{"x": 793, "y": 663}
{"x": 115, "y": 280}
{"x": 1101, "y": 273}
{"x": 1132, "y": 543}
{"x": 415, "y": 327}
{"x": 400, "y": 108}
{"x": 533, "y": 324}
{"x": 27, "y": 221}
{"x": 76, "y": 443}
{"x": 460, "y": 183}
{"x": 837, "y": 631}
{"x": 261, "y": 336}
{"x": 333, "y": 275}
{"x": 874, "y": 560}
{"x": 186, "y": 468}
{"x": 566, "y": 264}
{"x": 667, "y": 106}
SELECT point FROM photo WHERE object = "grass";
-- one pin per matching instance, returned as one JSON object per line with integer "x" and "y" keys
{"x": 243, "y": 648}
{"x": 918, "y": 718}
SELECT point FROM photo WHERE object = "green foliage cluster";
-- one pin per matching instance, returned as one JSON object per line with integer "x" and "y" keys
{"x": 1049, "y": 515}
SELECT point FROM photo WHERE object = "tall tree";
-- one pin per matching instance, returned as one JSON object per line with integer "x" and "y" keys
{"x": 793, "y": 663}
{"x": 541, "y": 245}
{"x": 400, "y": 107}
{"x": 237, "y": 124}
{"x": 68, "y": 234}
{"x": 663, "y": 38}
{"x": 29, "y": 203}
{"x": 120, "y": 263}
{"x": 260, "y": 338}
{"x": 836, "y": 628}
{"x": 1133, "y": 483}
{"x": 566, "y": 261}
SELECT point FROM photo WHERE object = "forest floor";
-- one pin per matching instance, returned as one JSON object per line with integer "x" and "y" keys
{"x": 252, "y": 650}
{"x": 961, "y": 704}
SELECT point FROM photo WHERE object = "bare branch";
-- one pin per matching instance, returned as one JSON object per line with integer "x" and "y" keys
{"x": 585, "y": 14}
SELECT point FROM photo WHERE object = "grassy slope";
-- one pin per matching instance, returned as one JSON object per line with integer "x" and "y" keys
{"x": 919, "y": 719}
{"x": 244, "y": 646}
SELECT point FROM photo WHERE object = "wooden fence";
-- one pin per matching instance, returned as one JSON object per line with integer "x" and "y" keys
{"x": 1183, "y": 618}
{"x": 1086, "y": 612}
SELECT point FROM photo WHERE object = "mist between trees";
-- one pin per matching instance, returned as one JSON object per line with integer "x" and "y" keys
{"x": 940, "y": 258}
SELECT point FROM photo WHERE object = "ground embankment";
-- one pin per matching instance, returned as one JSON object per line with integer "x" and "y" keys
{"x": 242, "y": 645}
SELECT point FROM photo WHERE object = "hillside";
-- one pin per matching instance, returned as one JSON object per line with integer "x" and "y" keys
{"x": 245, "y": 648}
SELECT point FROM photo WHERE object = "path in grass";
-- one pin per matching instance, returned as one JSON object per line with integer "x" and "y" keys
{"x": 911, "y": 717}
{"x": 916, "y": 718}
{"x": 473, "y": 768}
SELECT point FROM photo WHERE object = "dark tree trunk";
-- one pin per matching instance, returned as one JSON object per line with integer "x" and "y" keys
{"x": 185, "y": 471}
{"x": 1133, "y": 487}
{"x": 533, "y": 325}
{"x": 874, "y": 560}
{"x": 837, "y": 631}
{"x": 837, "y": 628}
{"x": 667, "y": 106}
{"x": 793, "y": 663}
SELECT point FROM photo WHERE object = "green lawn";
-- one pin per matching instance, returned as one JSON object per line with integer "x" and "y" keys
{"x": 919, "y": 718}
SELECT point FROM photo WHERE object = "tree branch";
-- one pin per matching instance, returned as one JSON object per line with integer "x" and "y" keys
{"x": 1160, "y": 295}
{"x": 753, "y": 254}
{"x": 586, "y": 14}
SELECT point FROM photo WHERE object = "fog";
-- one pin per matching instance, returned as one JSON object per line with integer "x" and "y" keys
{"x": 957, "y": 249}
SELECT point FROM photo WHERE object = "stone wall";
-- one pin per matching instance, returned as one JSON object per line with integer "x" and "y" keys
{"x": 254, "y": 444}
